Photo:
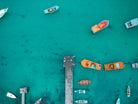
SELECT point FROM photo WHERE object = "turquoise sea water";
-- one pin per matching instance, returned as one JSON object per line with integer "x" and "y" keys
{"x": 32, "y": 47}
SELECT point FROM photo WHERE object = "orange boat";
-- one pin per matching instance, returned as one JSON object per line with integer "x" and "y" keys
{"x": 90, "y": 64}
{"x": 114, "y": 66}
{"x": 100, "y": 26}
{"x": 84, "y": 82}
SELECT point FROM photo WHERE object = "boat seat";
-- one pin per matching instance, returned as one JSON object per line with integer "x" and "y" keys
{"x": 117, "y": 65}
{"x": 95, "y": 28}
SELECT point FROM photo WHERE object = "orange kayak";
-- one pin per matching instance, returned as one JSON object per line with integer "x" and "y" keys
{"x": 84, "y": 82}
{"x": 100, "y": 26}
{"x": 114, "y": 66}
{"x": 90, "y": 64}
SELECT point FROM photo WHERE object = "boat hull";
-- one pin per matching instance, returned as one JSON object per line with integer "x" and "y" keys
{"x": 90, "y": 64}
{"x": 84, "y": 82}
{"x": 132, "y": 23}
{"x": 118, "y": 101}
{"x": 128, "y": 91}
{"x": 38, "y": 101}
{"x": 81, "y": 101}
{"x": 10, "y": 95}
{"x": 53, "y": 9}
{"x": 102, "y": 25}
{"x": 80, "y": 91}
{"x": 114, "y": 66}
{"x": 3, "y": 12}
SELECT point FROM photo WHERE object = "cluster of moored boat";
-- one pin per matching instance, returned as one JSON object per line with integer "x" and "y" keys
{"x": 102, "y": 25}
{"x": 46, "y": 11}
{"x": 97, "y": 66}
{"x": 87, "y": 82}
{"x": 86, "y": 63}
{"x": 13, "y": 96}
{"x": 128, "y": 95}
{"x": 109, "y": 66}
{"x": 94, "y": 29}
{"x": 81, "y": 101}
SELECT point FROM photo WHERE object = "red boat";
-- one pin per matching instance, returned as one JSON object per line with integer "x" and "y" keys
{"x": 100, "y": 26}
{"x": 84, "y": 82}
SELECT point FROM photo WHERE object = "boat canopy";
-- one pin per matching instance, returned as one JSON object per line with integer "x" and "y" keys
{"x": 117, "y": 65}
{"x": 92, "y": 66}
{"x": 134, "y": 22}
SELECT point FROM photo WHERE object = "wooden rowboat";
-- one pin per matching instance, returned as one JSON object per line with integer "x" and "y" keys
{"x": 84, "y": 82}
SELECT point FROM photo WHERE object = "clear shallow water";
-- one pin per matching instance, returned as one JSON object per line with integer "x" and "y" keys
{"x": 32, "y": 47}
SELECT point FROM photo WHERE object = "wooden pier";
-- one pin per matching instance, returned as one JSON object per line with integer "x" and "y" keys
{"x": 23, "y": 91}
{"x": 68, "y": 64}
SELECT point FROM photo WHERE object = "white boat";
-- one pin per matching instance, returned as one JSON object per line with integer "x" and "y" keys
{"x": 51, "y": 10}
{"x": 80, "y": 91}
{"x": 118, "y": 101}
{"x": 135, "y": 65}
{"x": 2, "y": 12}
{"x": 81, "y": 101}
{"x": 38, "y": 101}
{"x": 128, "y": 91}
{"x": 10, "y": 95}
{"x": 131, "y": 23}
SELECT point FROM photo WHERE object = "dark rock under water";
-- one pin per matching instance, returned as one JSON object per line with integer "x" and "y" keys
{"x": 22, "y": 16}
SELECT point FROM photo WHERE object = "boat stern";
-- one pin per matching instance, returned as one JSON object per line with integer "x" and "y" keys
{"x": 95, "y": 29}
{"x": 126, "y": 25}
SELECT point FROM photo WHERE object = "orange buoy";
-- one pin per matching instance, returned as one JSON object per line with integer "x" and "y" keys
{"x": 84, "y": 82}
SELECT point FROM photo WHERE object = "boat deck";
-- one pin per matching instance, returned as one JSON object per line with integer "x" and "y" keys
{"x": 68, "y": 65}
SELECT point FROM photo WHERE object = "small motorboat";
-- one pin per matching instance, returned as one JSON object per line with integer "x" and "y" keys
{"x": 38, "y": 101}
{"x": 2, "y": 12}
{"x": 131, "y": 23}
{"x": 128, "y": 91}
{"x": 81, "y": 101}
{"x": 118, "y": 101}
{"x": 51, "y": 10}
{"x": 114, "y": 66}
{"x": 84, "y": 82}
{"x": 90, "y": 64}
{"x": 10, "y": 95}
{"x": 80, "y": 91}
{"x": 135, "y": 65}
{"x": 100, "y": 26}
